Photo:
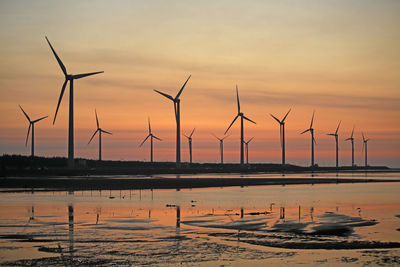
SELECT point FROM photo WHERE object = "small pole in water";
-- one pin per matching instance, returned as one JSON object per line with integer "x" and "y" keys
{"x": 299, "y": 212}
{"x": 241, "y": 213}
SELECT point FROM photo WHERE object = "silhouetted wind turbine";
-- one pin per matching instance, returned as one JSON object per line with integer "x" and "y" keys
{"x": 176, "y": 101}
{"x": 241, "y": 115}
{"x": 352, "y": 146}
{"x": 365, "y": 143}
{"x": 311, "y": 130}
{"x": 247, "y": 149}
{"x": 151, "y": 141}
{"x": 99, "y": 130}
{"x": 31, "y": 124}
{"x": 70, "y": 78}
{"x": 190, "y": 143}
{"x": 282, "y": 134}
{"x": 337, "y": 144}
{"x": 221, "y": 146}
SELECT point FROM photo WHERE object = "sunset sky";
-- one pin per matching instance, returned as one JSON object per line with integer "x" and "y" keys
{"x": 339, "y": 58}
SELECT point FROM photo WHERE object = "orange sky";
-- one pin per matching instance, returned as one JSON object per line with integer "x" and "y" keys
{"x": 340, "y": 58}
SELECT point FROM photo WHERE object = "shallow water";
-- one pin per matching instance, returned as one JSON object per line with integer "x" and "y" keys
{"x": 337, "y": 224}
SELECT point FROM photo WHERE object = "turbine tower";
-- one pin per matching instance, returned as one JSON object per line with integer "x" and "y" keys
{"x": 151, "y": 141}
{"x": 311, "y": 130}
{"x": 337, "y": 144}
{"x": 282, "y": 134}
{"x": 31, "y": 125}
{"x": 241, "y": 115}
{"x": 70, "y": 78}
{"x": 190, "y": 144}
{"x": 351, "y": 139}
{"x": 221, "y": 146}
{"x": 177, "y": 101}
{"x": 247, "y": 150}
{"x": 365, "y": 143}
{"x": 99, "y": 130}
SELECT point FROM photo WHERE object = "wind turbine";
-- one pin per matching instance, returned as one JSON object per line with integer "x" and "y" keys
{"x": 282, "y": 133}
{"x": 365, "y": 143}
{"x": 151, "y": 141}
{"x": 337, "y": 144}
{"x": 99, "y": 130}
{"x": 177, "y": 101}
{"x": 70, "y": 78}
{"x": 190, "y": 144}
{"x": 247, "y": 149}
{"x": 241, "y": 115}
{"x": 221, "y": 146}
{"x": 352, "y": 146}
{"x": 31, "y": 124}
{"x": 311, "y": 130}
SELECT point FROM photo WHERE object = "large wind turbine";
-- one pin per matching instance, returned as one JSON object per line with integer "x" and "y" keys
{"x": 247, "y": 149}
{"x": 151, "y": 141}
{"x": 311, "y": 130}
{"x": 31, "y": 124}
{"x": 337, "y": 144}
{"x": 241, "y": 115}
{"x": 352, "y": 146}
{"x": 221, "y": 146}
{"x": 70, "y": 78}
{"x": 190, "y": 143}
{"x": 99, "y": 130}
{"x": 282, "y": 133}
{"x": 177, "y": 101}
{"x": 365, "y": 143}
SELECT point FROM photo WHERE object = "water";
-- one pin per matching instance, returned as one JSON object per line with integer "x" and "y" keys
{"x": 337, "y": 224}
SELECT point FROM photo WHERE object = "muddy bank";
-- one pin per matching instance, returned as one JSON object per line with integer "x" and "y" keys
{"x": 104, "y": 183}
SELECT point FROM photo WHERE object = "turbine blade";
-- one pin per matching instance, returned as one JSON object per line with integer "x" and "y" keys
{"x": 64, "y": 70}
{"x": 332, "y": 134}
{"x": 231, "y": 123}
{"x": 363, "y": 136}
{"x": 156, "y": 137}
{"x": 180, "y": 91}
{"x": 78, "y": 76}
{"x": 144, "y": 141}
{"x": 225, "y": 137}
{"x": 286, "y": 115}
{"x": 93, "y": 136}
{"x": 105, "y": 131}
{"x": 186, "y": 136}
{"x": 39, "y": 119}
{"x": 244, "y": 117}
{"x": 352, "y": 132}
{"x": 275, "y": 118}
{"x": 215, "y": 136}
{"x": 315, "y": 142}
{"x": 26, "y": 115}
{"x": 27, "y": 135}
{"x": 312, "y": 119}
{"x": 250, "y": 140}
{"x": 149, "y": 125}
{"x": 237, "y": 97}
{"x": 59, "y": 100}
{"x": 305, "y": 131}
{"x": 192, "y": 132}
{"x": 337, "y": 129}
{"x": 347, "y": 139}
{"x": 97, "y": 120}
{"x": 167, "y": 96}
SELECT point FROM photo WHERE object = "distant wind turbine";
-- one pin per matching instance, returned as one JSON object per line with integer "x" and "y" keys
{"x": 221, "y": 146}
{"x": 176, "y": 101}
{"x": 151, "y": 141}
{"x": 365, "y": 143}
{"x": 247, "y": 149}
{"x": 337, "y": 143}
{"x": 99, "y": 130}
{"x": 190, "y": 144}
{"x": 241, "y": 115}
{"x": 352, "y": 146}
{"x": 70, "y": 78}
{"x": 31, "y": 125}
{"x": 282, "y": 134}
{"x": 311, "y": 130}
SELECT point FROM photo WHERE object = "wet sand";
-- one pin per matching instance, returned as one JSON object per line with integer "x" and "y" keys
{"x": 118, "y": 183}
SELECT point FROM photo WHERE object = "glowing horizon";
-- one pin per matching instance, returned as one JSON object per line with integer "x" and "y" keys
{"x": 328, "y": 57}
